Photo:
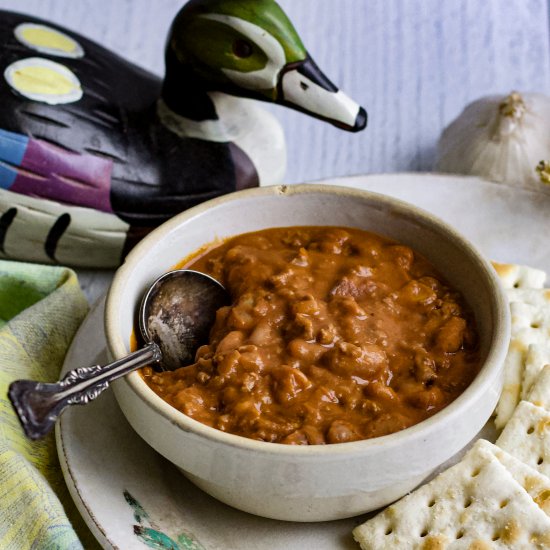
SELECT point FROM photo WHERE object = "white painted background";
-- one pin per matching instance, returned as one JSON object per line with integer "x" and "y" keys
{"x": 413, "y": 64}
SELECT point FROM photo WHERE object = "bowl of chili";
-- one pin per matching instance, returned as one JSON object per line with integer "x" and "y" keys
{"x": 363, "y": 348}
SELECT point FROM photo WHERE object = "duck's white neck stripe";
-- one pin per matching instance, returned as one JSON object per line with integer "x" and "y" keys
{"x": 209, "y": 130}
{"x": 253, "y": 130}
{"x": 262, "y": 79}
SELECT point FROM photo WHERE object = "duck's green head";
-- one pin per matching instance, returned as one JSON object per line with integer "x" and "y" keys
{"x": 250, "y": 48}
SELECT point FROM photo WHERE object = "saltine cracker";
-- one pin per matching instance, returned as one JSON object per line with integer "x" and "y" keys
{"x": 519, "y": 276}
{"x": 540, "y": 392}
{"x": 527, "y": 436}
{"x": 476, "y": 503}
{"x": 530, "y": 311}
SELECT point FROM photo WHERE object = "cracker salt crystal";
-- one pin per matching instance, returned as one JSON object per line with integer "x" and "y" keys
{"x": 530, "y": 325}
{"x": 519, "y": 276}
{"x": 540, "y": 392}
{"x": 527, "y": 436}
{"x": 473, "y": 504}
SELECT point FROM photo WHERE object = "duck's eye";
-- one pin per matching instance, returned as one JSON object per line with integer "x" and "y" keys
{"x": 242, "y": 48}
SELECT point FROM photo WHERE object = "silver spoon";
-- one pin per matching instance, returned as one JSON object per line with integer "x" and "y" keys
{"x": 175, "y": 317}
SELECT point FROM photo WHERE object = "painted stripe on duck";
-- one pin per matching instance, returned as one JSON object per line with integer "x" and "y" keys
{"x": 47, "y": 40}
{"x": 39, "y": 169}
{"x": 26, "y": 226}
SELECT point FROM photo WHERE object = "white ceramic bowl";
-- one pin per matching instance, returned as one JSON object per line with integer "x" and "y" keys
{"x": 311, "y": 483}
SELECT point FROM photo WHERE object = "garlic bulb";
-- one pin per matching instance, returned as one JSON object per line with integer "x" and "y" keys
{"x": 503, "y": 139}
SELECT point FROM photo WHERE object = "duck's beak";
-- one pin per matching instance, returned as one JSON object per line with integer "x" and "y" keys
{"x": 303, "y": 86}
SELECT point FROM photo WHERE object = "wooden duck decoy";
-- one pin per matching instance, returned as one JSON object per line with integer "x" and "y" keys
{"x": 95, "y": 151}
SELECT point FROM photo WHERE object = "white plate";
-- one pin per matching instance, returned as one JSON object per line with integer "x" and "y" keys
{"x": 131, "y": 497}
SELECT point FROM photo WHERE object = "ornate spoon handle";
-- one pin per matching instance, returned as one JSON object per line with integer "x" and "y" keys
{"x": 38, "y": 404}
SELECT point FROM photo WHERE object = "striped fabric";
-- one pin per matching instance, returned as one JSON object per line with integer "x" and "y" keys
{"x": 40, "y": 309}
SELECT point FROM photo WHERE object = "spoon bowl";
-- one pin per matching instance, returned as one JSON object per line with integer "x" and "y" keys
{"x": 175, "y": 317}
{"x": 178, "y": 317}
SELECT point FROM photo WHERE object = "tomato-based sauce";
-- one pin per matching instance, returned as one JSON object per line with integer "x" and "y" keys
{"x": 334, "y": 335}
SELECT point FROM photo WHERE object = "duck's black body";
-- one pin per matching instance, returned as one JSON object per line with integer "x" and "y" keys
{"x": 95, "y": 151}
{"x": 155, "y": 173}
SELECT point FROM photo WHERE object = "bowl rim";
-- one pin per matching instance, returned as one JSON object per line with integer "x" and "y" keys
{"x": 491, "y": 369}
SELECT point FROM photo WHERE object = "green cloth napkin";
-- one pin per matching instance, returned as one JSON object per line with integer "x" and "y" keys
{"x": 41, "y": 308}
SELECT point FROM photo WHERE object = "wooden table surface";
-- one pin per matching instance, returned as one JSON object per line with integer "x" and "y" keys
{"x": 413, "y": 64}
